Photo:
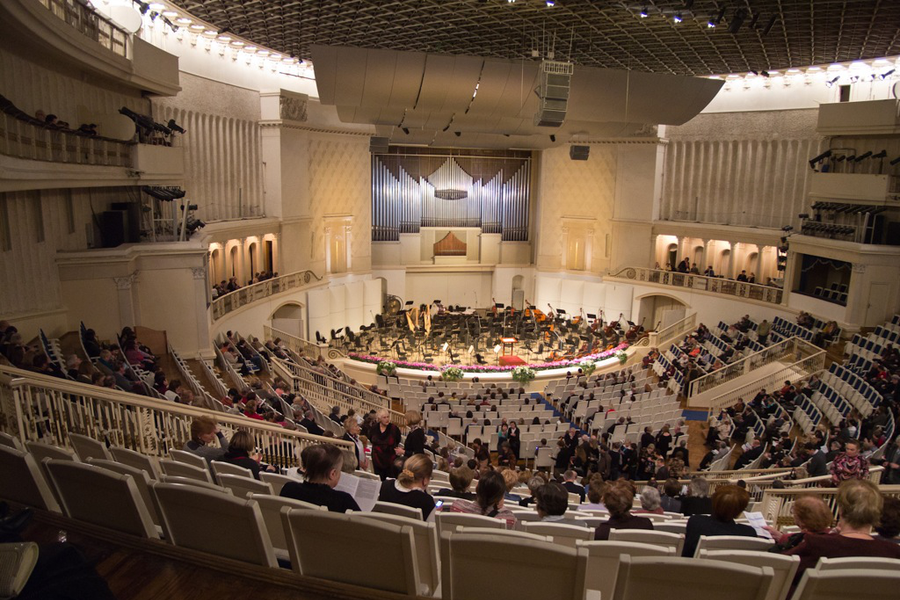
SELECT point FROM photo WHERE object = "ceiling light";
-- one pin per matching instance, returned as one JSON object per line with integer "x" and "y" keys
{"x": 211, "y": 32}
{"x": 169, "y": 13}
{"x": 224, "y": 38}
{"x": 644, "y": 13}
{"x": 263, "y": 52}
{"x": 197, "y": 27}
{"x": 813, "y": 69}
{"x": 711, "y": 24}
{"x": 183, "y": 21}
{"x": 249, "y": 48}
{"x": 275, "y": 56}
{"x": 157, "y": 6}
{"x": 551, "y": 3}
{"x": 677, "y": 18}
{"x": 237, "y": 43}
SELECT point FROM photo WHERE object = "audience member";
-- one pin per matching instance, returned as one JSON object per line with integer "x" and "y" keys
{"x": 728, "y": 502}
{"x": 811, "y": 515}
{"x": 551, "y": 501}
{"x": 618, "y": 499}
{"x": 411, "y": 486}
{"x": 488, "y": 501}
{"x": 460, "y": 480}
{"x": 384, "y": 437}
{"x": 203, "y": 432}
{"x": 650, "y": 501}
{"x": 242, "y": 452}
{"x": 698, "y": 501}
{"x": 323, "y": 464}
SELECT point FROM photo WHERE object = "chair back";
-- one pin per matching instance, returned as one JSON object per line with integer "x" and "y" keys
{"x": 22, "y": 481}
{"x": 857, "y": 562}
{"x": 101, "y": 497}
{"x": 449, "y": 522}
{"x": 182, "y": 469}
{"x": 214, "y": 522}
{"x": 220, "y": 467}
{"x": 784, "y": 567}
{"x": 189, "y": 458}
{"x": 562, "y": 533}
{"x": 603, "y": 562}
{"x": 426, "y": 539}
{"x": 136, "y": 460}
{"x": 244, "y": 486}
{"x": 642, "y": 536}
{"x": 391, "y": 508}
{"x": 201, "y": 484}
{"x": 695, "y": 578}
{"x": 40, "y": 452}
{"x": 840, "y": 584}
{"x": 10, "y": 441}
{"x": 275, "y": 480}
{"x": 732, "y": 542}
{"x": 671, "y": 527}
{"x": 141, "y": 481}
{"x": 271, "y": 506}
{"x": 87, "y": 447}
{"x": 531, "y": 569}
{"x": 318, "y": 542}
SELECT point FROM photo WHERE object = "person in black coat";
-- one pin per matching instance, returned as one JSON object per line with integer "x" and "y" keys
{"x": 728, "y": 502}
{"x": 241, "y": 453}
{"x": 698, "y": 503}
{"x": 415, "y": 438}
{"x": 323, "y": 464}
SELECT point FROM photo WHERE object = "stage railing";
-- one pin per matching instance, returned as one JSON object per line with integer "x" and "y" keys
{"x": 223, "y": 305}
{"x": 325, "y": 391}
{"x": 45, "y": 409}
{"x": 301, "y": 346}
{"x": 715, "y": 285}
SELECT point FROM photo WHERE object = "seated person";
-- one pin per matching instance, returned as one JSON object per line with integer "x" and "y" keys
{"x": 203, "y": 432}
{"x": 698, "y": 502}
{"x": 811, "y": 515}
{"x": 323, "y": 463}
{"x": 619, "y": 498}
{"x": 533, "y": 484}
{"x": 551, "y": 501}
{"x": 595, "y": 490}
{"x": 728, "y": 502}
{"x": 410, "y": 487}
{"x": 488, "y": 500}
{"x": 460, "y": 480}
{"x": 511, "y": 478}
{"x": 859, "y": 508}
{"x": 241, "y": 452}
{"x": 889, "y": 527}
{"x": 670, "y": 501}
{"x": 571, "y": 486}
{"x": 650, "y": 502}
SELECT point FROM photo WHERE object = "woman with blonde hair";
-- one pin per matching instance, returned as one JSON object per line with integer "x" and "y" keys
{"x": 410, "y": 487}
{"x": 415, "y": 437}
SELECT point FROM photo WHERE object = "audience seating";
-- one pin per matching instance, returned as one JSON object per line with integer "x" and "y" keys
{"x": 562, "y": 533}
{"x": 641, "y": 578}
{"x": 141, "y": 481}
{"x": 101, "y": 497}
{"x": 220, "y": 467}
{"x": 193, "y": 517}
{"x": 189, "y": 458}
{"x": 41, "y": 452}
{"x": 398, "y": 509}
{"x": 87, "y": 447}
{"x": 732, "y": 542}
{"x": 206, "y": 485}
{"x": 449, "y": 522}
{"x": 275, "y": 480}
{"x": 271, "y": 506}
{"x": 858, "y": 562}
{"x": 322, "y": 544}
{"x": 10, "y": 441}
{"x": 603, "y": 562}
{"x": 244, "y": 486}
{"x": 22, "y": 481}
{"x": 482, "y": 565}
{"x": 784, "y": 567}
{"x": 183, "y": 469}
{"x": 657, "y": 538}
{"x": 136, "y": 460}
{"x": 426, "y": 543}
{"x": 671, "y": 526}
{"x": 840, "y": 584}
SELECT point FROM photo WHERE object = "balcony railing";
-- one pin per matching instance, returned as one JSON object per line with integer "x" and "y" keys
{"x": 302, "y": 346}
{"x": 86, "y": 21}
{"x": 22, "y": 138}
{"x": 716, "y": 285}
{"x": 247, "y": 295}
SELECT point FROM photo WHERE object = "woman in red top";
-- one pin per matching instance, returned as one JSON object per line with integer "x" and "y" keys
{"x": 385, "y": 439}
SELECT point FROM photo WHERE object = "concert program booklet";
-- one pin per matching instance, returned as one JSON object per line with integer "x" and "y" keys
{"x": 364, "y": 491}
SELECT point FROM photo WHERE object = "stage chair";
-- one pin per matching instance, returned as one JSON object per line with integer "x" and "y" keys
{"x": 603, "y": 562}
{"x": 189, "y": 458}
{"x": 22, "y": 481}
{"x": 86, "y": 447}
{"x": 136, "y": 460}
{"x": 449, "y": 522}
{"x": 271, "y": 506}
{"x": 398, "y": 509}
{"x": 562, "y": 533}
{"x": 654, "y": 577}
{"x": 657, "y": 538}
{"x": 480, "y": 565}
{"x": 141, "y": 481}
{"x": 784, "y": 567}
{"x": 244, "y": 486}
{"x": 732, "y": 542}
{"x": 426, "y": 543}
{"x": 101, "y": 497}
{"x": 276, "y": 481}
{"x": 840, "y": 584}
{"x": 183, "y": 469}
{"x": 214, "y": 522}
{"x": 319, "y": 543}
{"x": 220, "y": 467}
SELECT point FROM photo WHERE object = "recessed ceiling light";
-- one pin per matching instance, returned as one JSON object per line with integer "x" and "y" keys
{"x": 169, "y": 13}
{"x": 157, "y": 6}
{"x": 183, "y": 21}
{"x": 197, "y": 27}
{"x": 813, "y": 69}
{"x": 237, "y": 43}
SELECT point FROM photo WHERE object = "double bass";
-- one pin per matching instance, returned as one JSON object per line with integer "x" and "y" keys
{"x": 635, "y": 331}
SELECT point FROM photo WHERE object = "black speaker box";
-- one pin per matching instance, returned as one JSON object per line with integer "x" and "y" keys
{"x": 112, "y": 228}
{"x": 132, "y": 212}
{"x": 579, "y": 152}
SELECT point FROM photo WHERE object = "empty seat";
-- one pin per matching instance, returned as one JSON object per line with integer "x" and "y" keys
{"x": 189, "y": 458}
{"x": 275, "y": 480}
{"x": 214, "y": 522}
{"x": 136, "y": 460}
{"x": 43, "y": 451}
{"x": 189, "y": 481}
{"x": 101, "y": 497}
{"x": 22, "y": 481}
{"x": 732, "y": 542}
{"x": 86, "y": 447}
{"x": 426, "y": 542}
{"x": 182, "y": 469}
{"x": 603, "y": 562}
{"x": 563, "y": 534}
{"x": 220, "y": 467}
{"x": 270, "y": 506}
{"x": 319, "y": 542}
{"x": 858, "y": 562}
{"x": 451, "y": 521}
{"x": 840, "y": 584}
{"x": 482, "y": 565}
{"x": 640, "y": 578}
{"x": 10, "y": 441}
{"x": 658, "y": 538}
{"x": 784, "y": 567}
{"x": 391, "y": 508}
{"x": 244, "y": 486}
{"x": 141, "y": 481}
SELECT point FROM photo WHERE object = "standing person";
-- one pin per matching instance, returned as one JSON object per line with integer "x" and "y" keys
{"x": 385, "y": 440}
{"x": 415, "y": 437}
{"x": 849, "y": 465}
{"x": 892, "y": 463}
{"x": 512, "y": 436}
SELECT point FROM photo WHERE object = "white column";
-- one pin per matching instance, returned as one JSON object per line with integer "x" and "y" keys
{"x": 201, "y": 297}
{"x": 348, "y": 247}
{"x": 757, "y": 264}
{"x": 126, "y": 304}
{"x": 732, "y": 248}
{"x": 704, "y": 262}
{"x": 564, "y": 258}
{"x": 328, "y": 249}
{"x": 588, "y": 249}
{"x": 654, "y": 250}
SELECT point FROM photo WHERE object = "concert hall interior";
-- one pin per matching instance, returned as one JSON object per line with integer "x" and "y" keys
{"x": 366, "y": 202}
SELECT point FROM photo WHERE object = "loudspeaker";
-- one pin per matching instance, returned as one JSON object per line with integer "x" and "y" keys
{"x": 893, "y": 234}
{"x": 112, "y": 228}
{"x": 553, "y": 93}
{"x": 132, "y": 211}
{"x": 579, "y": 152}
{"x": 378, "y": 145}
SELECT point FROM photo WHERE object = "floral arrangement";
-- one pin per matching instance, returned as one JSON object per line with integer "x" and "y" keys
{"x": 587, "y": 367}
{"x": 622, "y": 356}
{"x": 423, "y": 366}
{"x": 386, "y": 367}
{"x": 452, "y": 373}
{"x": 523, "y": 374}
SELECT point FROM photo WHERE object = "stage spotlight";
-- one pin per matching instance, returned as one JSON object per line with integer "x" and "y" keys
{"x": 769, "y": 25}
{"x": 677, "y": 18}
{"x": 881, "y": 154}
{"x": 737, "y": 21}
{"x": 552, "y": 138}
{"x": 457, "y": 133}
{"x": 895, "y": 161}
{"x": 644, "y": 13}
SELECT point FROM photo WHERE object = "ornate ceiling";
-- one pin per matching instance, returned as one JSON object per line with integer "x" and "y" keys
{"x": 751, "y": 35}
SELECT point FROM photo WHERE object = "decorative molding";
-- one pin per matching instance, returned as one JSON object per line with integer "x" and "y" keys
{"x": 125, "y": 283}
{"x": 198, "y": 272}
{"x": 293, "y": 109}
{"x": 859, "y": 268}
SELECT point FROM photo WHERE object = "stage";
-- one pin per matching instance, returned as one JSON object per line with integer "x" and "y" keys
{"x": 511, "y": 360}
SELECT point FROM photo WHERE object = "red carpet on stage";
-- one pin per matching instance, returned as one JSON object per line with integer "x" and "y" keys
{"x": 511, "y": 361}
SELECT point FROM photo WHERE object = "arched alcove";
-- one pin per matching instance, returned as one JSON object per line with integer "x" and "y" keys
{"x": 672, "y": 257}
{"x": 289, "y": 318}
{"x": 660, "y": 309}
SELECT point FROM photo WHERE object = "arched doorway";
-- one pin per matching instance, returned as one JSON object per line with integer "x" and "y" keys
{"x": 251, "y": 255}
{"x": 288, "y": 318}
{"x": 661, "y": 310}
{"x": 234, "y": 258}
{"x": 672, "y": 257}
